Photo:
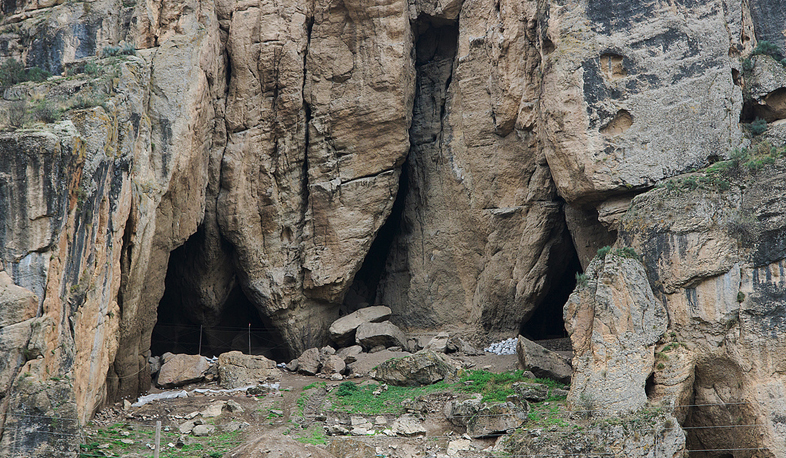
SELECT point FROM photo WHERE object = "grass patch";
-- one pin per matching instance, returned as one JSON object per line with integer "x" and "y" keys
{"x": 13, "y": 72}
{"x": 316, "y": 437}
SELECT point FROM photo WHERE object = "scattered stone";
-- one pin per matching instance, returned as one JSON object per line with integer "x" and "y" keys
{"x": 423, "y": 368}
{"x": 351, "y": 448}
{"x": 531, "y": 393}
{"x": 233, "y": 426}
{"x": 336, "y": 430}
{"x": 336, "y": 377}
{"x": 179, "y": 370}
{"x": 213, "y": 410}
{"x": 333, "y": 364}
{"x": 309, "y": 362}
{"x": 127, "y": 441}
{"x": 413, "y": 346}
{"x": 369, "y": 335}
{"x": 542, "y": 362}
{"x": 259, "y": 390}
{"x": 438, "y": 343}
{"x": 236, "y": 369}
{"x": 233, "y": 406}
{"x": 395, "y": 348}
{"x": 377, "y": 349}
{"x": 203, "y": 430}
{"x": 185, "y": 428}
{"x": 459, "y": 412}
{"x": 126, "y": 404}
{"x": 349, "y": 354}
{"x": 292, "y": 366}
{"x": 458, "y": 345}
{"x": 458, "y": 446}
{"x": 379, "y": 420}
{"x": 327, "y": 350}
{"x": 155, "y": 364}
{"x": 278, "y": 413}
{"x": 343, "y": 330}
{"x": 408, "y": 425}
{"x": 191, "y": 415}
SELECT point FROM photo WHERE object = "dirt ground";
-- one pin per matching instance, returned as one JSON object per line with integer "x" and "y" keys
{"x": 283, "y": 423}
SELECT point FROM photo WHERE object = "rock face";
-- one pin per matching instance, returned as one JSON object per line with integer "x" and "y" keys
{"x": 276, "y": 162}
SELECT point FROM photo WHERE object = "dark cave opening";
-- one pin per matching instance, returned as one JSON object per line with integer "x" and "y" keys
{"x": 771, "y": 108}
{"x": 187, "y": 323}
{"x": 546, "y": 322}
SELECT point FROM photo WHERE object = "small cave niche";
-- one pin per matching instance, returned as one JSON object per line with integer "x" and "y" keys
{"x": 718, "y": 420}
{"x": 621, "y": 122}
{"x": 197, "y": 321}
{"x": 613, "y": 66}
{"x": 771, "y": 108}
{"x": 546, "y": 322}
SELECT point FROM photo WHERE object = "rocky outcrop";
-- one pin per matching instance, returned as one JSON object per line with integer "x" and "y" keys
{"x": 423, "y": 368}
{"x": 542, "y": 362}
{"x": 614, "y": 322}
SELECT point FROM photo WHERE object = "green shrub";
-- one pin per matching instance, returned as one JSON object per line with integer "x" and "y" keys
{"x": 747, "y": 65}
{"x": 91, "y": 68}
{"x": 602, "y": 252}
{"x": 766, "y": 48}
{"x": 120, "y": 50}
{"x": 758, "y": 127}
{"x": 581, "y": 279}
{"x": 627, "y": 252}
{"x": 45, "y": 112}
{"x": 12, "y": 72}
{"x": 346, "y": 389}
{"x": 740, "y": 296}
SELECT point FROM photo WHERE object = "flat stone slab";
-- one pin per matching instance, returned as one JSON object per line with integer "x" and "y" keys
{"x": 343, "y": 329}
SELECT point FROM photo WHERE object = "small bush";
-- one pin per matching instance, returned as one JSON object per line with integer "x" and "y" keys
{"x": 346, "y": 389}
{"x": 91, "y": 68}
{"x": 121, "y": 50}
{"x": 740, "y": 296}
{"x": 766, "y": 48}
{"x": 12, "y": 72}
{"x": 602, "y": 252}
{"x": 45, "y": 112}
{"x": 758, "y": 127}
{"x": 581, "y": 279}
{"x": 17, "y": 113}
{"x": 627, "y": 252}
{"x": 747, "y": 65}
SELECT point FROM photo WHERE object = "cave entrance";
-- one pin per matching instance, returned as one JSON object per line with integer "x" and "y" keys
{"x": 720, "y": 423}
{"x": 204, "y": 309}
{"x": 546, "y": 322}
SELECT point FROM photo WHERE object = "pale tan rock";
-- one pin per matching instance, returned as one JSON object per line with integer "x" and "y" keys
{"x": 182, "y": 369}
{"x": 614, "y": 322}
{"x": 387, "y": 334}
{"x": 342, "y": 330}
{"x": 237, "y": 370}
{"x": 542, "y": 362}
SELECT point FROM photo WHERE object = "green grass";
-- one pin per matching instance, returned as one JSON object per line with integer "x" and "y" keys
{"x": 316, "y": 437}
{"x": 349, "y": 397}
{"x": 217, "y": 444}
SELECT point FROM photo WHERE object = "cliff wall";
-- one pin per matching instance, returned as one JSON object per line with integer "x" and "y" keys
{"x": 457, "y": 161}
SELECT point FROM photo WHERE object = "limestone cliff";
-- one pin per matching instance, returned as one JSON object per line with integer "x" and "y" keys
{"x": 217, "y": 162}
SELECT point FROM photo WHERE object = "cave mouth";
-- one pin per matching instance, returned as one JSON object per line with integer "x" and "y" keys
{"x": 186, "y": 324}
{"x": 546, "y": 322}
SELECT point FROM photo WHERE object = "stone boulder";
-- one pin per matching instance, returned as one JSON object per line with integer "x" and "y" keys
{"x": 17, "y": 304}
{"x": 543, "y": 362}
{"x": 458, "y": 345}
{"x": 236, "y": 369}
{"x": 531, "y": 392}
{"x": 351, "y": 448}
{"x": 309, "y": 362}
{"x": 366, "y": 362}
{"x": 496, "y": 418}
{"x": 423, "y": 368}
{"x": 408, "y": 425}
{"x": 350, "y": 354}
{"x": 438, "y": 343}
{"x": 333, "y": 364}
{"x": 181, "y": 369}
{"x": 387, "y": 334}
{"x": 342, "y": 331}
